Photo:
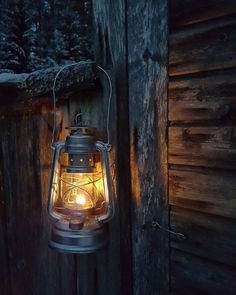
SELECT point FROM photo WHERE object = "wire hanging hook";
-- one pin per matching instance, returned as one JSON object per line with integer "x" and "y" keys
{"x": 54, "y": 100}
{"x": 108, "y": 144}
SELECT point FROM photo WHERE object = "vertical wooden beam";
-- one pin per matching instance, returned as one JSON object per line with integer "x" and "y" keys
{"x": 147, "y": 64}
{"x": 4, "y": 250}
{"x": 111, "y": 53}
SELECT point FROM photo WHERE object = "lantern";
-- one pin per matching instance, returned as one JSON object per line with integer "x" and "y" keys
{"x": 80, "y": 201}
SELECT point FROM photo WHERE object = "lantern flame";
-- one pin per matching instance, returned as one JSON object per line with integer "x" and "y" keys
{"x": 80, "y": 199}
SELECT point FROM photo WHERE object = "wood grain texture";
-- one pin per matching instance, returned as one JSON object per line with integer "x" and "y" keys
{"x": 206, "y": 99}
{"x": 186, "y": 12}
{"x": 30, "y": 262}
{"x": 203, "y": 146}
{"x": 204, "y": 47}
{"x": 4, "y": 253}
{"x": 112, "y": 53}
{"x": 209, "y": 236}
{"x": 209, "y": 191}
{"x": 147, "y": 60}
{"x": 192, "y": 275}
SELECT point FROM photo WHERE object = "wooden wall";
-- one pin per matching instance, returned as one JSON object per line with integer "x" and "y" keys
{"x": 28, "y": 266}
{"x": 130, "y": 42}
{"x": 202, "y": 146}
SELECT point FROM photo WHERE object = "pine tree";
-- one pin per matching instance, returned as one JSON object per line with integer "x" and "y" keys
{"x": 82, "y": 34}
{"x": 4, "y": 54}
{"x": 18, "y": 36}
{"x": 36, "y": 34}
{"x": 69, "y": 28}
{"x": 42, "y": 55}
{"x": 74, "y": 26}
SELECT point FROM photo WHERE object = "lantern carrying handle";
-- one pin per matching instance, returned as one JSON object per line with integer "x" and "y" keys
{"x": 58, "y": 148}
{"x": 101, "y": 146}
{"x": 108, "y": 144}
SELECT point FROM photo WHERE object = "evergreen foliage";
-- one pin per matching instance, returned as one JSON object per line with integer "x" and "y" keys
{"x": 37, "y": 34}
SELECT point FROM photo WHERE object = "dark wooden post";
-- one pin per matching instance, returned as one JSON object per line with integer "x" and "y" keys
{"x": 147, "y": 67}
{"x": 132, "y": 41}
{"x": 111, "y": 53}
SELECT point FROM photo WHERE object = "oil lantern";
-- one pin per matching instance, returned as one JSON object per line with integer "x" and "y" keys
{"x": 80, "y": 201}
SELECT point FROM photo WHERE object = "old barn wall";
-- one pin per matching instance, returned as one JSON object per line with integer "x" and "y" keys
{"x": 201, "y": 146}
{"x": 136, "y": 259}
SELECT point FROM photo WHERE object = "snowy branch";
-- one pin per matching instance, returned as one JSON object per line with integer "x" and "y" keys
{"x": 39, "y": 83}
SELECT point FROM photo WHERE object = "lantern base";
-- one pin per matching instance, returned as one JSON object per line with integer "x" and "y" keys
{"x": 86, "y": 240}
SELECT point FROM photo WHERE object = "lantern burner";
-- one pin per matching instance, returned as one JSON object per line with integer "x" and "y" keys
{"x": 77, "y": 236}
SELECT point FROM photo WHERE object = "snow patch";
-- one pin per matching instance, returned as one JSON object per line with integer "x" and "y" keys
{"x": 13, "y": 78}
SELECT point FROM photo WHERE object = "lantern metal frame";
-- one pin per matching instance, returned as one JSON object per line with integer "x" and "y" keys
{"x": 70, "y": 235}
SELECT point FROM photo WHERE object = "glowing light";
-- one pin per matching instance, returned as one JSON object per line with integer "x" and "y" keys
{"x": 80, "y": 199}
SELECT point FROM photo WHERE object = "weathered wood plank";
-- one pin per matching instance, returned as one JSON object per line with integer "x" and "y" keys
{"x": 209, "y": 236}
{"x": 87, "y": 276}
{"x": 192, "y": 275}
{"x": 147, "y": 59}
{"x": 4, "y": 253}
{"x": 203, "y": 44}
{"x": 64, "y": 277}
{"x": 111, "y": 52}
{"x": 31, "y": 262}
{"x": 207, "y": 46}
{"x": 209, "y": 98}
{"x": 203, "y": 146}
{"x": 186, "y": 12}
{"x": 209, "y": 191}
{"x": 21, "y": 198}
{"x": 25, "y": 88}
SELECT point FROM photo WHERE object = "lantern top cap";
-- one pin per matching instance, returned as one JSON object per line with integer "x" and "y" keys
{"x": 85, "y": 130}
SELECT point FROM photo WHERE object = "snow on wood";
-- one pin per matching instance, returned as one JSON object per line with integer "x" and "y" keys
{"x": 39, "y": 83}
